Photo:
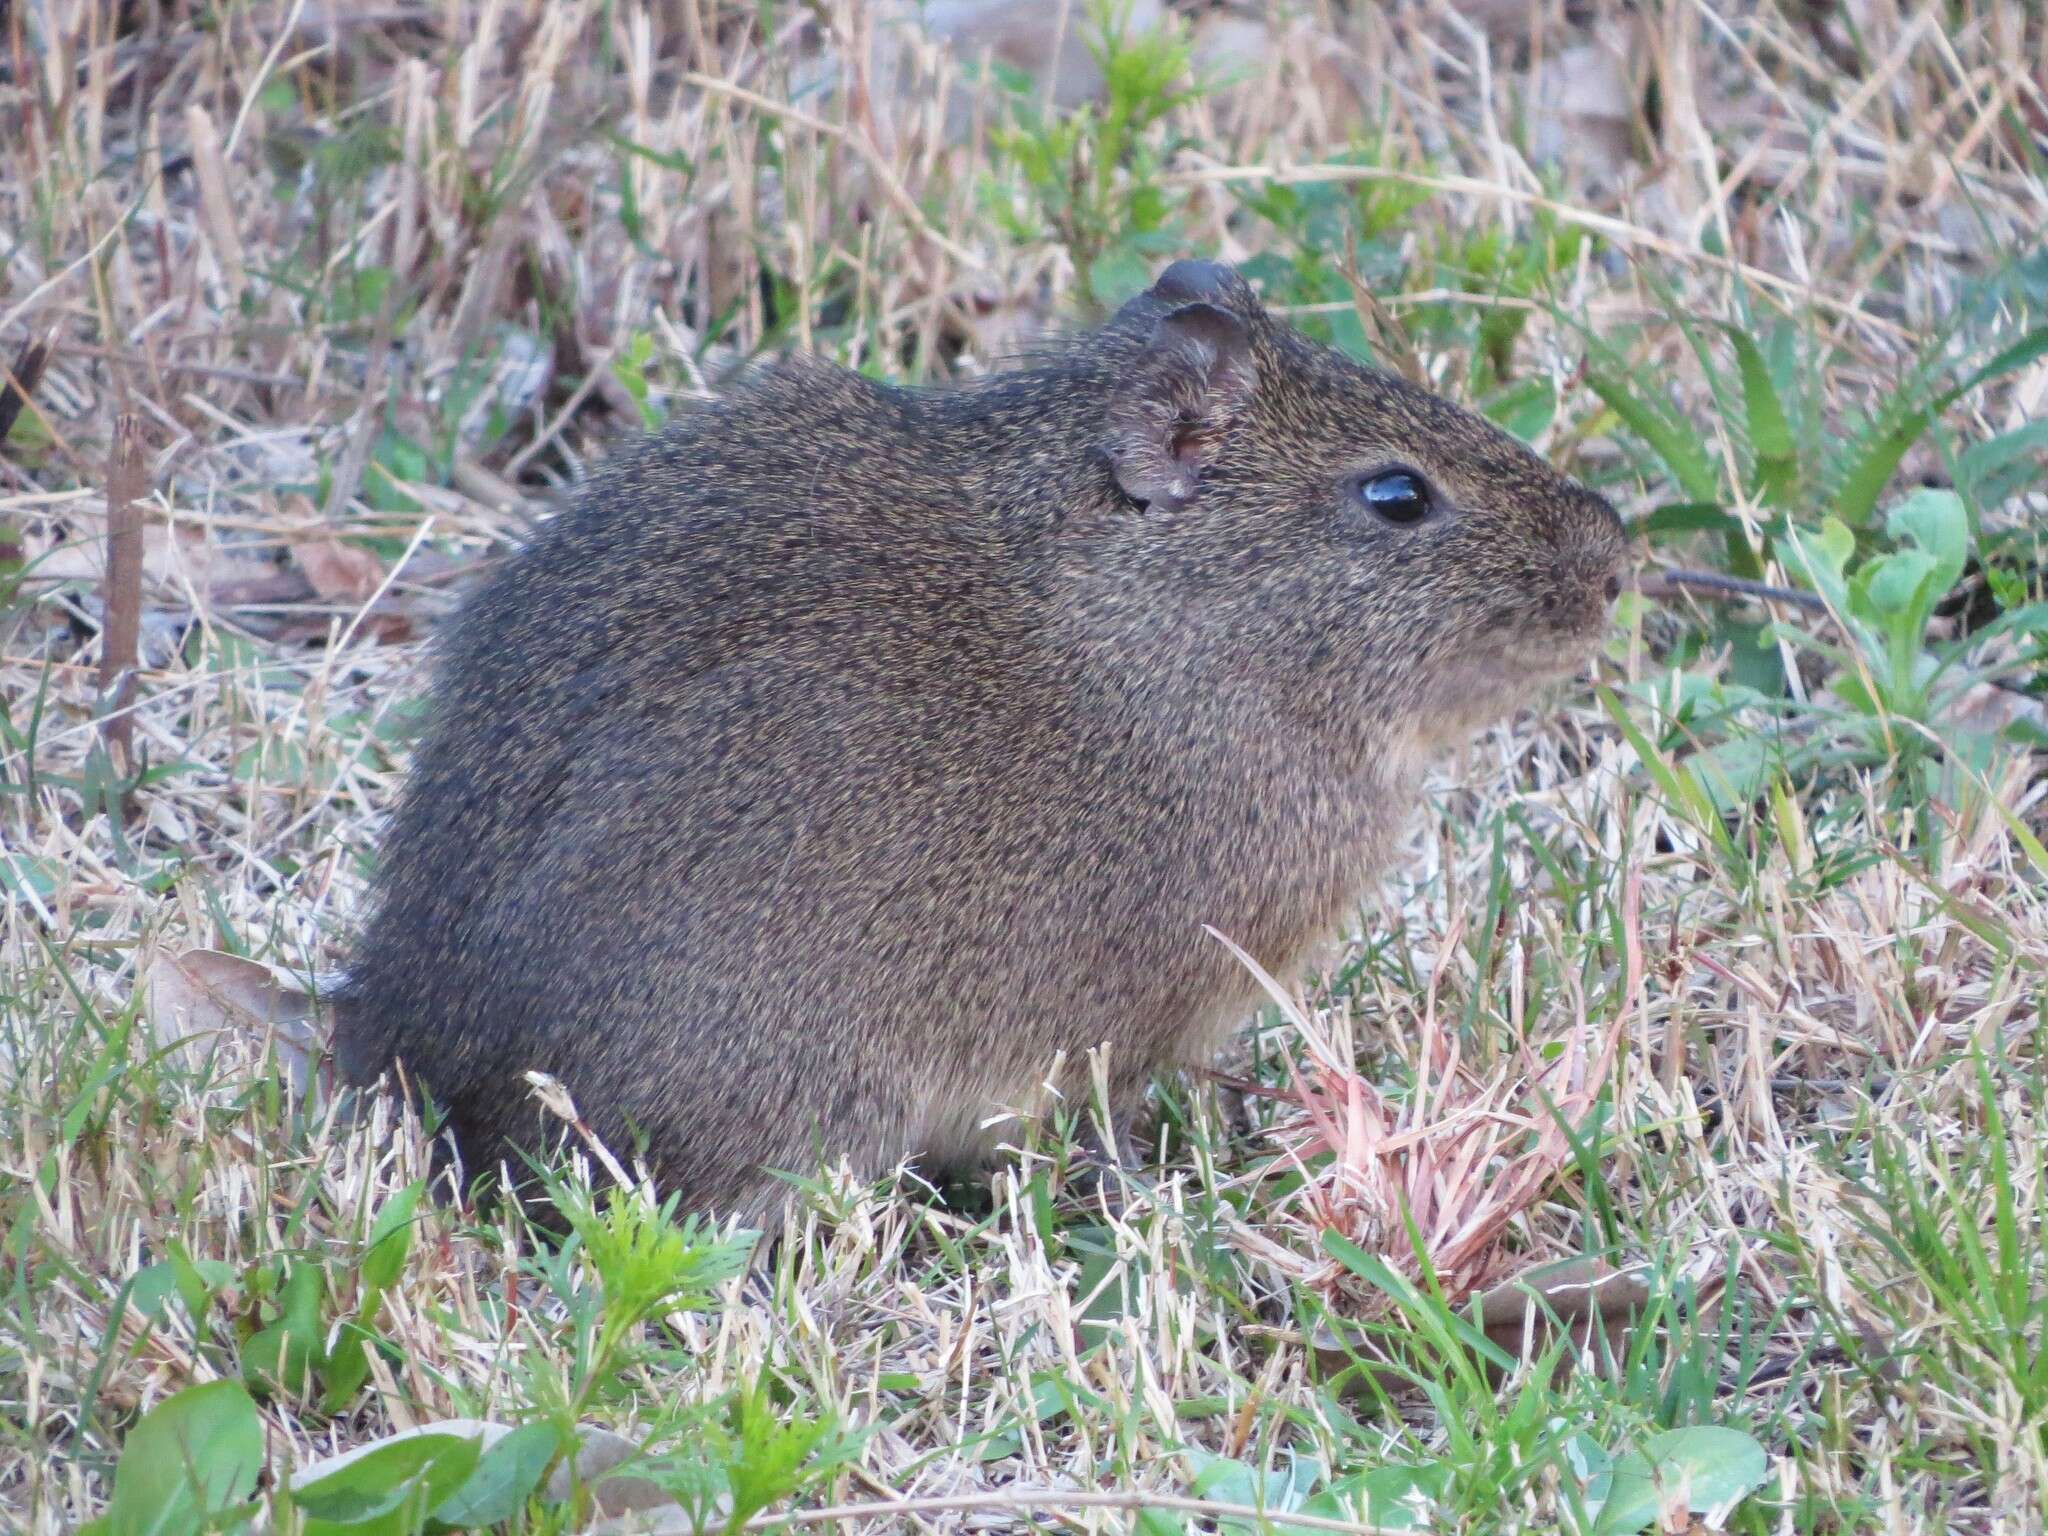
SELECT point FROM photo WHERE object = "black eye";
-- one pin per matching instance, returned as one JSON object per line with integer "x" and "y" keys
{"x": 1397, "y": 495}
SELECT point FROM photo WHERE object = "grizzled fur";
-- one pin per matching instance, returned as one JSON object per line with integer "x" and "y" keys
{"x": 847, "y": 752}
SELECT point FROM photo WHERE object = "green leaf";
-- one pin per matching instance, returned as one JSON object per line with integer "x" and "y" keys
{"x": 1593, "y": 1468}
{"x": 192, "y": 1282}
{"x": 1280, "y": 1489}
{"x": 1716, "y": 1468}
{"x": 1770, "y": 434}
{"x": 504, "y": 1479}
{"x": 152, "y": 1290}
{"x": 772, "y": 1455}
{"x": 1222, "y": 1480}
{"x": 1818, "y": 559}
{"x": 198, "y": 1279}
{"x": 1109, "y": 1285}
{"x": 391, "y": 1238}
{"x": 1682, "y": 791}
{"x": 347, "y": 1367}
{"x": 1674, "y": 442}
{"x": 1939, "y": 524}
{"x": 1447, "y": 1330}
{"x": 191, "y": 1460}
{"x": 1118, "y": 274}
{"x": 1893, "y": 585}
{"x": 281, "y": 1357}
{"x": 1871, "y": 470}
{"x": 1733, "y": 772}
{"x": 2036, "y": 853}
{"x": 1681, "y": 517}
{"x": 2029, "y": 348}
{"x": 1161, "y": 1522}
{"x": 1526, "y": 408}
{"x": 1403, "y": 1498}
{"x": 2000, "y": 466}
{"x": 388, "y": 1489}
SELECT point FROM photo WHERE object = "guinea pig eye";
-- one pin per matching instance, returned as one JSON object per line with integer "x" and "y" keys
{"x": 1398, "y": 495}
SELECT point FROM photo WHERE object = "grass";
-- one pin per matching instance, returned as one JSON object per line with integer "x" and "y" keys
{"x": 1719, "y": 982}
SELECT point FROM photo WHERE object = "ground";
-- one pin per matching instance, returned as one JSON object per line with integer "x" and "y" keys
{"x": 1718, "y": 974}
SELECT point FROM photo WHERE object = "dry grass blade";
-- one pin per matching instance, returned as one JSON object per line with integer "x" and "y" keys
{"x": 121, "y": 621}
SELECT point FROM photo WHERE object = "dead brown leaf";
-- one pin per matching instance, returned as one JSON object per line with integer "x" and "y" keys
{"x": 195, "y": 1000}
{"x": 340, "y": 573}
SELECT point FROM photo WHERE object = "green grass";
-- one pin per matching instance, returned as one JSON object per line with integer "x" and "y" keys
{"x": 1721, "y": 980}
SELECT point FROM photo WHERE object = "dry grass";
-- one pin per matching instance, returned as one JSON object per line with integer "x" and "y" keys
{"x": 372, "y": 287}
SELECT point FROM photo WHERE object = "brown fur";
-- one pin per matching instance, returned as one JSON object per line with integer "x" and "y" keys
{"x": 847, "y": 752}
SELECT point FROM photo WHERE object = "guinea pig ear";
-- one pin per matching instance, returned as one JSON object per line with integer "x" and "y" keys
{"x": 1206, "y": 282}
{"x": 1171, "y": 412}
{"x": 1193, "y": 282}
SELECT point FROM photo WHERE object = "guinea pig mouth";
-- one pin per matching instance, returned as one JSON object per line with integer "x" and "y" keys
{"x": 1559, "y": 653}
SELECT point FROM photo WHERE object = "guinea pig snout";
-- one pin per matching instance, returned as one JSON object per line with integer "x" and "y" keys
{"x": 1584, "y": 585}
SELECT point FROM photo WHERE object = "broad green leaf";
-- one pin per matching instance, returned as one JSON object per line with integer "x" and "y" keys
{"x": 1161, "y": 1522}
{"x": 1938, "y": 523}
{"x": 1223, "y": 1480}
{"x": 1715, "y": 1468}
{"x": 193, "y": 1282}
{"x": 192, "y": 1458}
{"x": 1110, "y": 1286}
{"x": 281, "y": 1357}
{"x": 198, "y": 1279}
{"x": 505, "y": 1477}
{"x": 1848, "y": 687}
{"x": 1732, "y": 773}
{"x": 1282, "y": 1488}
{"x": 1594, "y": 1469}
{"x": 390, "y": 1238}
{"x": 348, "y": 1367}
{"x": 1893, "y": 585}
{"x": 152, "y": 1290}
{"x": 389, "y": 1488}
{"x": 1819, "y": 558}
{"x": 1401, "y": 1498}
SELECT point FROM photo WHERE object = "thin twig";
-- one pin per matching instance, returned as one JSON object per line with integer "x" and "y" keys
{"x": 1664, "y": 583}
